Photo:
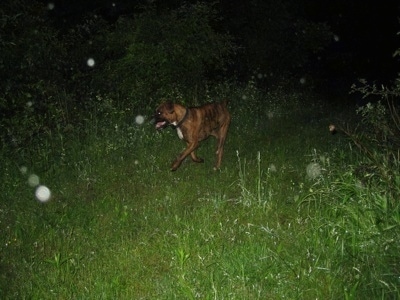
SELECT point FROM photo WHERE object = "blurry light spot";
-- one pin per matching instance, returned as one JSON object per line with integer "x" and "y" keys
{"x": 302, "y": 80}
{"x": 272, "y": 168}
{"x": 50, "y": 6}
{"x": 29, "y": 103}
{"x": 259, "y": 76}
{"x": 90, "y": 62}
{"x": 23, "y": 170}
{"x": 136, "y": 162}
{"x": 139, "y": 119}
{"x": 33, "y": 180}
{"x": 244, "y": 97}
{"x": 43, "y": 193}
{"x": 313, "y": 170}
{"x": 336, "y": 38}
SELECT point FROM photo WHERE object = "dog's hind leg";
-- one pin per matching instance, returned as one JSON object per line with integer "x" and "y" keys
{"x": 219, "y": 152}
{"x": 221, "y": 137}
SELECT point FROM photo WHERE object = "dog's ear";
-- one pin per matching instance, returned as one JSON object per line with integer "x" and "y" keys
{"x": 169, "y": 106}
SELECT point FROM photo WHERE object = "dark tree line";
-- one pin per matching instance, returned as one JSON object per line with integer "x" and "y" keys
{"x": 141, "y": 53}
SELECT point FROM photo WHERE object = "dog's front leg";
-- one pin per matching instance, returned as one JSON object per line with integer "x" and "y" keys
{"x": 189, "y": 149}
{"x": 195, "y": 158}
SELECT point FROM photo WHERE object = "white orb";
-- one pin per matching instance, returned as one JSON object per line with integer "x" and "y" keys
{"x": 313, "y": 170}
{"x": 23, "y": 170}
{"x": 139, "y": 119}
{"x": 33, "y": 180}
{"x": 90, "y": 62}
{"x": 43, "y": 193}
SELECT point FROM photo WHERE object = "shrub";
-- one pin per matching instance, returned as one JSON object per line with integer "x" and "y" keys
{"x": 377, "y": 135}
{"x": 31, "y": 73}
{"x": 171, "y": 51}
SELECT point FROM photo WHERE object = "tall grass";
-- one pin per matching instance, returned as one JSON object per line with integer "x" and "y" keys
{"x": 120, "y": 225}
{"x": 356, "y": 227}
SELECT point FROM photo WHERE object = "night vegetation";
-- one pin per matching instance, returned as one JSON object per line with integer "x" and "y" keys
{"x": 294, "y": 212}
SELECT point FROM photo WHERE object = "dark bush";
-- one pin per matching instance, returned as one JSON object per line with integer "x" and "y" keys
{"x": 170, "y": 54}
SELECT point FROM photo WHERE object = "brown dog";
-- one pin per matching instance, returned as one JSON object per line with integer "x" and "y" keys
{"x": 194, "y": 125}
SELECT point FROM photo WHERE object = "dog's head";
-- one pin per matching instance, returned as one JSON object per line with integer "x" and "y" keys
{"x": 165, "y": 115}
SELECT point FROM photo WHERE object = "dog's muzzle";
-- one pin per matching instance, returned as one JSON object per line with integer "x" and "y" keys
{"x": 159, "y": 122}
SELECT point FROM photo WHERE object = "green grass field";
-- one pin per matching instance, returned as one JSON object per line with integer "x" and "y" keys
{"x": 286, "y": 217}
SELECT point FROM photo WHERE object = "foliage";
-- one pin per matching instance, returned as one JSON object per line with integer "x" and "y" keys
{"x": 379, "y": 132}
{"x": 381, "y": 119}
{"x": 173, "y": 51}
{"x": 358, "y": 227}
{"x": 46, "y": 85}
{"x": 269, "y": 225}
{"x": 31, "y": 73}
{"x": 120, "y": 225}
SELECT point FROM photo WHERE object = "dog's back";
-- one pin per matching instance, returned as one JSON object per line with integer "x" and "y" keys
{"x": 213, "y": 114}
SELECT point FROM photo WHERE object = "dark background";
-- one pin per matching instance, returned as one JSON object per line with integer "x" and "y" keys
{"x": 365, "y": 32}
{"x": 145, "y": 51}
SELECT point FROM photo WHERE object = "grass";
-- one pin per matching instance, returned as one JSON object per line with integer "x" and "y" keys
{"x": 121, "y": 225}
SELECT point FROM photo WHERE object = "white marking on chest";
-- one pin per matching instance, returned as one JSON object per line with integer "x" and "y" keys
{"x": 179, "y": 132}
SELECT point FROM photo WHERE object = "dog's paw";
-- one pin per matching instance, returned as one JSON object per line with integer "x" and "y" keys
{"x": 175, "y": 166}
{"x": 199, "y": 160}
